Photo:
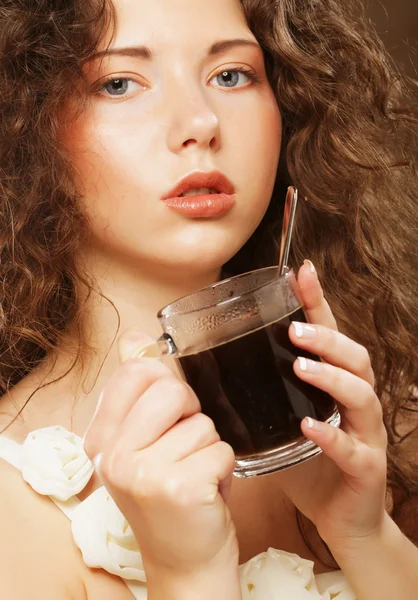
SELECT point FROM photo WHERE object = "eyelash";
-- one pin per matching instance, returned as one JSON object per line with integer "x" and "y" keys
{"x": 248, "y": 72}
{"x": 252, "y": 76}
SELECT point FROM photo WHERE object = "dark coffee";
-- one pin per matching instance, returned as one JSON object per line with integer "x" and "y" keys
{"x": 248, "y": 388}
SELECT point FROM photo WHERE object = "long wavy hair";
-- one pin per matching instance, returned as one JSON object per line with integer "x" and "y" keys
{"x": 348, "y": 146}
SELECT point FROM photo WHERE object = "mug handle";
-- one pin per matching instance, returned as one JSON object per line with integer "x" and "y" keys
{"x": 163, "y": 346}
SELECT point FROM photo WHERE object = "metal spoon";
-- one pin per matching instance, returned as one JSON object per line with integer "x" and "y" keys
{"x": 288, "y": 220}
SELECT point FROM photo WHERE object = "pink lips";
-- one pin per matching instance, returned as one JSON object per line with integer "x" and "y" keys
{"x": 202, "y": 205}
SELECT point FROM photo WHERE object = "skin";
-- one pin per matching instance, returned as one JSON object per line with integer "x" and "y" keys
{"x": 128, "y": 152}
{"x": 175, "y": 118}
{"x": 342, "y": 491}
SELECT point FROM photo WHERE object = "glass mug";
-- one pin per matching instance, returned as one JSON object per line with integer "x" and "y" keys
{"x": 231, "y": 340}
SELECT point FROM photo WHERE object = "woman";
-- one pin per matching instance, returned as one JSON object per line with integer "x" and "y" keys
{"x": 105, "y": 108}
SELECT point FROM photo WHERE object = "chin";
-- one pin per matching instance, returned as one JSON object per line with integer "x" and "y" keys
{"x": 207, "y": 254}
{"x": 208, "y": 243}
{"x": 202, "y": 262}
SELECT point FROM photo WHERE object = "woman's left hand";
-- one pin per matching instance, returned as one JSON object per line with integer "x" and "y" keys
{"x": 343, "y": 490}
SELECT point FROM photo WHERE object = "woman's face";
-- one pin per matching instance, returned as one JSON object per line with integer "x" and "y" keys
{"x": 157, "y": 115}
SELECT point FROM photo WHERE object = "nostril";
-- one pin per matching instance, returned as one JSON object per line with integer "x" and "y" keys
{"x": 189, "y": 142}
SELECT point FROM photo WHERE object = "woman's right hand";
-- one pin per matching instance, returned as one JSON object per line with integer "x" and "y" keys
{"x": 163, "y": 462}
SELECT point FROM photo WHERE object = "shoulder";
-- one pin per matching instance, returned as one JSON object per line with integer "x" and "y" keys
{"x": 38, "y": 556}
{"x": 36, "y": 547}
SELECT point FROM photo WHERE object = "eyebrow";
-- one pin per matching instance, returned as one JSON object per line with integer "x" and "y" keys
{"x": 145, "y": 53}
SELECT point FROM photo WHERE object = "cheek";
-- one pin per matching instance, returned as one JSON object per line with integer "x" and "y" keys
{"x": 106, "y": 153}
{"x": 121, "y": 169}
{"x": 258, "y": 147}
{"x": 114, "y": 165}
{"x": 264, "y": 129}
{"x": 125, "y": 146}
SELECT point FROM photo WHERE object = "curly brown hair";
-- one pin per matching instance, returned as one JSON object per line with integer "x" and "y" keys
{"x": 348, "y": 146}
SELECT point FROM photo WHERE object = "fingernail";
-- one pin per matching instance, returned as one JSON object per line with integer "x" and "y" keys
{"x": 313, "y": 424}
{"x": 308, "y": 365}
{"x": 129, "y": 343}
{"x": 303, "y": 330}
{"x": 96, "y": 462}
{"x": 311, "y": 265}
{"x": 309, "y": 422}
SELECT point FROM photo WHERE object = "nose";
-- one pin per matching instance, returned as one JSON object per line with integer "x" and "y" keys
{"x": 193, "y": 121}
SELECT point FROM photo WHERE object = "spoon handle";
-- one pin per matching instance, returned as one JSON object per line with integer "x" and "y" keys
{"x": 288, "y": 220}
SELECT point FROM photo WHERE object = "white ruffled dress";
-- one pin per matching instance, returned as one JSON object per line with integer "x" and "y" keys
{"x": 53, "y": 462}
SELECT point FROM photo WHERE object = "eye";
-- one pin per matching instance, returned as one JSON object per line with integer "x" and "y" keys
{"x": 119, "y": 87}
{"x": 231, "y": 77}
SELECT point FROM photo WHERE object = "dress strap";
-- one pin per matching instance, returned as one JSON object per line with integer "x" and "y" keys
{"x": 11, "y": 452}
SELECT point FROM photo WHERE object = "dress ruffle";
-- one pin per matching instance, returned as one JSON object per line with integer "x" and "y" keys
{"x": 54, "y": 463}
{"x": 279, "y": 575}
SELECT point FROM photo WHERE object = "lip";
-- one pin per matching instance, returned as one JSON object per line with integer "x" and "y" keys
{"x": 202, "y": 205}
{"x": 214, "y": 179}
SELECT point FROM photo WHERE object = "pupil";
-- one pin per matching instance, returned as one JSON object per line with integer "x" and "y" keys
{"x": 230, "y": 78}
{"x": 117, "y": 87}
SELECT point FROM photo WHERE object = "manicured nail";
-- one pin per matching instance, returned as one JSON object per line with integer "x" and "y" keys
{"x": 96, "y": 462}
{"x": 310, "y": 263}
{"x": 303, "y": 330}
{"x": 313, "y": 424}
{"x": 130, "y": 342}
{"x": 308, "y": 365}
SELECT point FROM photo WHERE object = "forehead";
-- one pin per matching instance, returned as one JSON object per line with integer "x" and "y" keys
{"x": 168, "y": 23}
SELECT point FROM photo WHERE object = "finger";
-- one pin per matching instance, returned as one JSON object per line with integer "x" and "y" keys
{"x": 361, "y": 409}
{"x": 129, "y": 342}
{"x": 316, "y": 308}
{"x": 350, "y": 455}
{"x": 158, "y": 409}
{"x": 225, "y": 487}
{"x": 334, "y": 348}
{"x": 173, "y": 425}
{"x": 216, "y": 463}
{"x": 146, "y": 477}
{"x": 122, "y": 391}
{"x": 186, "y": 437}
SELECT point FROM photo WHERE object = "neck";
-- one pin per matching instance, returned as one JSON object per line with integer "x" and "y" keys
{"x": 131, "y": 297}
